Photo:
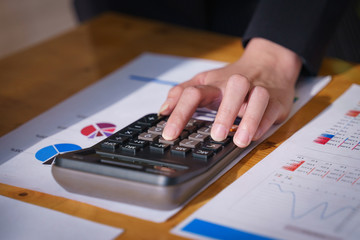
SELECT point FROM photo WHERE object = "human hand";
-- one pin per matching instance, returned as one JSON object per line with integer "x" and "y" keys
{"x": 259, "y": 88}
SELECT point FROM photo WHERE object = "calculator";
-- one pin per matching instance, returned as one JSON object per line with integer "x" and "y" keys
{"x": 136, "y": 165}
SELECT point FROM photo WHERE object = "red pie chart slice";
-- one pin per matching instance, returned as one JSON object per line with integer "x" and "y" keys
{"x": 98, "y": 130}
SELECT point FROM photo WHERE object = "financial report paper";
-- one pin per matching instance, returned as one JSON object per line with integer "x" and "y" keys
{"x": 136, "y": 89}
{"x": 308, "y": 188}
{"x": 21, "y": 220}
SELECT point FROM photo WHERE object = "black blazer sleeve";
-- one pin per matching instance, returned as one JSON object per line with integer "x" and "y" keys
{"x": 303, "y": 26}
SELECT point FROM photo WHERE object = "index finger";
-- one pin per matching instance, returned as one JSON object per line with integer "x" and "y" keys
{"x": 192, "y": 97}
{"x": 176, "y": 92}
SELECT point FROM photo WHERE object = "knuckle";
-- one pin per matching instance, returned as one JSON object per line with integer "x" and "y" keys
{"x": 193, "y": 92}
{"x": 201, "y": 77}
{"x": 238, "y": 80}
{"x": 262, "y": 92}
{"x": 175, "y": 91}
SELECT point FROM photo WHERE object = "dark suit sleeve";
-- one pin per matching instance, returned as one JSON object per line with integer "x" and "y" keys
{"x": 303, "y": 26}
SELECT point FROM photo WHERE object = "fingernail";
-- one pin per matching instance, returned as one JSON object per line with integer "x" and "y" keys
{"x": 170, "y": 132}
{"x": 164, "y": 107}
{"x": 218, "y": 132}
{"x": 241, "y": 138}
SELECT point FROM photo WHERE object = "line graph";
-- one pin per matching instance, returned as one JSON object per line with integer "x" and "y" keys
{"x": 301, "y": 203}
{"x": 325, "y": 214}
{"x": 308, "y": 188}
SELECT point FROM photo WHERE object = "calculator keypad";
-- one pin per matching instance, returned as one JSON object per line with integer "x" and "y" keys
{"x": 144, "y": 135}
{"x": 137, "y": 165}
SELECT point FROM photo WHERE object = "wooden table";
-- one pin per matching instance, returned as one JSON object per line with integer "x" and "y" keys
{"x": 34, "y": 80}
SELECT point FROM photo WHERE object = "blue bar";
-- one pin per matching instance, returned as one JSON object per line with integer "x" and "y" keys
{"x": 327, "y": 135}
{"x": 148, "y": 79}
{"x": 213, "y": 230}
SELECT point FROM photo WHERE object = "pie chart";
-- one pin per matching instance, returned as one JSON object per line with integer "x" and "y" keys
{"x": 98, "y": 130}
{"x": 52, "y": 150}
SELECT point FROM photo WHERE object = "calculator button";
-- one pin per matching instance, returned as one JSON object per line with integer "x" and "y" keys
{"x": 223, "y": 142}
{"x": 190, "y": 129}
{"x": 119, "y": 138}
{"x": 171, "y": 142}
{"x": 138, "y": 142}
{"x": 198, "y": 137}
{"x": 110, "y": 145}
{"x": 128, "y": 132}
{"x": 189, "y": 143}
{"x": 231, "y": 134}
{"x": 148, "y": 137}
{"x": 137, "y": 127}
{"x": 183, "y": 135}
{"x": 196, "y": 122}
{"x": 180, "y": 150}
{"x": 149, "y": 120}
{"x": 156, "y": 130}
{"x": 130, "y": 148}
{"x": 159, "y": 147}
{"x": 202, "y": 154}
{"x": 208, "y": 124}
{"x": 212, "y": 146}
{"x": 161, "y": 124}
{"x": 232, "y": 130}
{"x": 205, "y": 130}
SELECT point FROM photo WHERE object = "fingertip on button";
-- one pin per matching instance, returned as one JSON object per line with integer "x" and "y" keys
{"x": 218, "y": 132}
{"x": 170, "y": 132}
{"x": 241, "y": 138}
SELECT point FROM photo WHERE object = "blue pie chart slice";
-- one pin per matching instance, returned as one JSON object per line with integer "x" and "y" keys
{"x": 52, "y": 150}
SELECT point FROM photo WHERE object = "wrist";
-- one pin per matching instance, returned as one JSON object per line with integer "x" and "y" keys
{"x": 275, "y": 58}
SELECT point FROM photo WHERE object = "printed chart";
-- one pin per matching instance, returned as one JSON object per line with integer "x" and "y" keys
{"x": 329, "y": 172}
{"x": 344, "y": 134}
{"x": 293, "y": 202}
{"x": 284, "y": 204}
{"x": 98, "y": 130}
{"x": 49, "y": 152}
{"x": 303, "y": 206}
{"x": 308, "y": 188}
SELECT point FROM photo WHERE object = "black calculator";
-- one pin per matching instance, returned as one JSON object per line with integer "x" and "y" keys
{"x": 136, "y": 165}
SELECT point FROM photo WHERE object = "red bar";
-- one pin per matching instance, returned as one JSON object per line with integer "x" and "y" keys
{"x": 322, "y": 140}
{"x": 353, "y": 113}
{"x": 293, "y": 166}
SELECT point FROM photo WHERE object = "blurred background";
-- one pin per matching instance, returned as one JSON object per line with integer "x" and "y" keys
{"x": 24, "y": 23}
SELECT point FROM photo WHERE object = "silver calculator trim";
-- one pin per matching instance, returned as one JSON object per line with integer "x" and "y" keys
{"x": 137, "y": 193}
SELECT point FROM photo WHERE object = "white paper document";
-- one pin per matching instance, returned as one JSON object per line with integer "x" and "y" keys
{"x": 96, "y": 112}
{"x": 308, "y": 188}
{"x": 20, "y": 220}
